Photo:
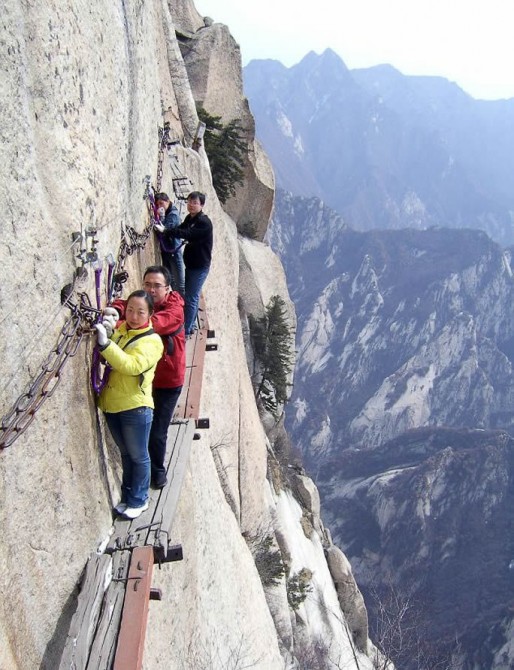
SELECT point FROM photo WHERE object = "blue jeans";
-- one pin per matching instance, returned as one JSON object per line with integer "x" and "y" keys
{"x": 195, "y": 278}
{"x": 175, "y": 264}
{"x": 165, "y": 401}
{"x": 130, "y": 430}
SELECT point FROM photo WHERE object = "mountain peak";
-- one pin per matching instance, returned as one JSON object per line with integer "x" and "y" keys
{"x": 326, "y": 58}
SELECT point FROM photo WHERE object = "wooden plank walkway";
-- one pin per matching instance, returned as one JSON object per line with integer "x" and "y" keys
{"x": 108, "y": 628}
{"x": 92, "y": 636}
{"x": 154, "y": 525}
{"x": 104, "y": 645}
{"x": 188, "y": 405}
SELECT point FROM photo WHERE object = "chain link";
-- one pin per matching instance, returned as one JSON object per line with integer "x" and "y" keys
{"x": 164, "y": 138}
{"x": 131, "y": 241}
{"x": 19, "y": 418}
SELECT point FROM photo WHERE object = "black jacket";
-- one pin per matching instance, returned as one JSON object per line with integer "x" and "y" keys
{"x": 197, "y": 230}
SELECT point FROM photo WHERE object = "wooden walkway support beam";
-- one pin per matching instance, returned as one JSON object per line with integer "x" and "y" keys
{"x": 131, "y": 640}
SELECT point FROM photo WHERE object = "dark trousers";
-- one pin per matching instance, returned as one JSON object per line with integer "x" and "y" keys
{"x": 165, "y": 401}
{"x": 175, "y": 264}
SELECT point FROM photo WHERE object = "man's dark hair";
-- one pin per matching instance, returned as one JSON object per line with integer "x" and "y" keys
{"x": 196, "y": 195}
{"x": 159, "y": 269}
{"x": 162, "y": 196}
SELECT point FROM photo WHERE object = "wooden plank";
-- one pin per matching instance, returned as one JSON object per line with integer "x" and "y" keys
{"x": 104, "y": 644}
{"x": 131, "y": 640}
{"x": 192, "y": 404}
{"x": 168, "y": 501}
{"x": 84, "y": 621}
{"x": 128, "y": 534}
{"x": 202, "y": 314}
{"x": 93, "y": 635}
{"x": 189, "y": 401}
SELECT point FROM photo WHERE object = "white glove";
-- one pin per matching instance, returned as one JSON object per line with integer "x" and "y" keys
{"x": 110, "y": 311}
{"x": 101, "y": 335}
{"x": 109, "y": 323}
{"x": 159, "y": 227}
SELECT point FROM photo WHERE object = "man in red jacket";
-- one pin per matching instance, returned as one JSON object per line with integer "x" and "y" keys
{"x": 168, "y": 322}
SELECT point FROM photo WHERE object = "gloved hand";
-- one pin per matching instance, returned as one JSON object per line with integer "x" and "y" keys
{"x": 101, "y": 335}
{"x": 159, "y": 227}
{"x": 110, "y": 318}
{"x": 110, "y": 311}
{"x": 109, "y": 323}
{"x": 162, "y": 213}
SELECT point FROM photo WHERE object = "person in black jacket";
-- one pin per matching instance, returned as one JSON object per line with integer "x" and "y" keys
{"x": 197, "y": 231}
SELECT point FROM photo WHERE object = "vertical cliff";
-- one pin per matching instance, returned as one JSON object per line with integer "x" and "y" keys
{"x": 85, "y": 89}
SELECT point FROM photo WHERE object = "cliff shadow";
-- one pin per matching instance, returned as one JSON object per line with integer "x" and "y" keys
{"x": 55, "y": 647}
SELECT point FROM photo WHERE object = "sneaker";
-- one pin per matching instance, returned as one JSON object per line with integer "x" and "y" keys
{"x": 120, "y": 508}
{"x": 134, "y": 512}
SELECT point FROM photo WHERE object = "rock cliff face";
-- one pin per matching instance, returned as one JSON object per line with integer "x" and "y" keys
{"x": 85, "y": 89}
{"x": 403, "y": 406}
{"x": 213, "y": 60}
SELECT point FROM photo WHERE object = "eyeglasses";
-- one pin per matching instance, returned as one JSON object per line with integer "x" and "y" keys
{"x": 149, "y": 286}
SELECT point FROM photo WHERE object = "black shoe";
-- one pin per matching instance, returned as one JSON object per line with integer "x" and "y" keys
{"x": 160, "y": 482}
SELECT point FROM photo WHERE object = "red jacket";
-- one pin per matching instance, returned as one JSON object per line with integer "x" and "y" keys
{"x": 167, "y": 318}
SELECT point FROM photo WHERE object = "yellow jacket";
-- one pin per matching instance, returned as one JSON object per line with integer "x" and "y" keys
{"x": 133, "y": 367}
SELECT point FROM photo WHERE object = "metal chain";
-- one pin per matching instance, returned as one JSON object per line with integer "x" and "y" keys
{"x": 19, "y": 418}
{"x": 164, "y": 138}
{"x": 131, "y": 241}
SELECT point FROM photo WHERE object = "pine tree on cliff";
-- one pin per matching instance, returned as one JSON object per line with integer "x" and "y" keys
{"x": 226, "y": 149}
{"x": 271, "y": 337}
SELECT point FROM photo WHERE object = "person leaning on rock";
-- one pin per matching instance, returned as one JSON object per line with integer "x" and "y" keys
{"x": 197, "y": 231}
{"x": 171, "y": 249}
{"x": 168, "y": 322}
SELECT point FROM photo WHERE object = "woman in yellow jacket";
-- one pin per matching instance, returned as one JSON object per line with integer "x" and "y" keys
{"x": 132, "y": 352}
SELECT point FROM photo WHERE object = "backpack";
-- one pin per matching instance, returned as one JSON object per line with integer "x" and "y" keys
{"x": 170, "y": 345}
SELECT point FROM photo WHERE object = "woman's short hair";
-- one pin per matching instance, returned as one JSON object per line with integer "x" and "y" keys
{"x": 146, "y": 296}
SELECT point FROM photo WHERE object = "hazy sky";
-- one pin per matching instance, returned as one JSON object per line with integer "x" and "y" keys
{"x": 470, "y": 42}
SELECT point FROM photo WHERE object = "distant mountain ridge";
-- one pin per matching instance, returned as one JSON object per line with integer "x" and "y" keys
{"x": 393, "y": 225}
{"x": 403, "y": 408}
{"x": 386, "y": 150}
{"x": 390, "y": 324}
